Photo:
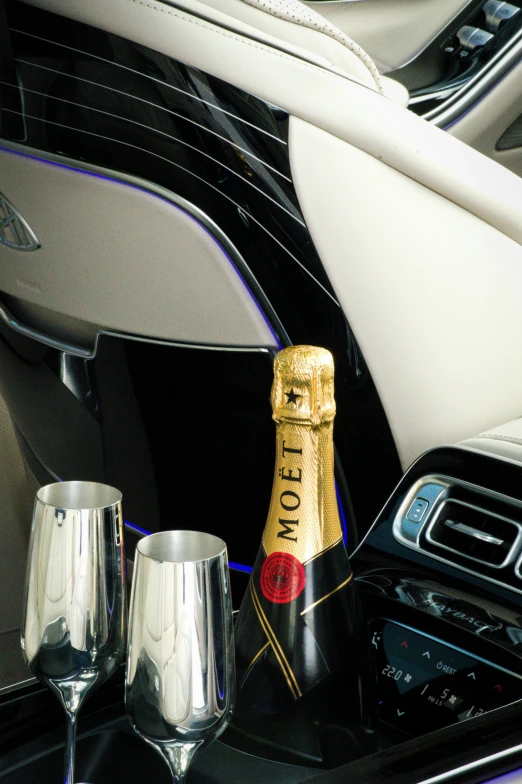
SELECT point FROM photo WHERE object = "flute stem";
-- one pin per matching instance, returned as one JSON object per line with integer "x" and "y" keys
{"x": 70, "y": 746}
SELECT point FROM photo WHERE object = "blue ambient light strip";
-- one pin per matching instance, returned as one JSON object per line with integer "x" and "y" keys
{"x": 236, "y": 566}
{"x": 513, "y": 777}
{"x": 133, "y": 527}
{"x": 342, "y": 515}
{"x": 240, "y": 567}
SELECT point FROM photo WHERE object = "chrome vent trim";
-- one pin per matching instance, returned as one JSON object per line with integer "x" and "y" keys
{"x": 514, "y": 549}
{"x": 439, "y": 489}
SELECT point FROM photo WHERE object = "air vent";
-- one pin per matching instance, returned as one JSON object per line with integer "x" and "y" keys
{"x": 472, "y": 529}
{"x": 474, "y": 534}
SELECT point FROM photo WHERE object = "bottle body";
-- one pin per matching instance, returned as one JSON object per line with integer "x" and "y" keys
{"x": 299, "y": 633}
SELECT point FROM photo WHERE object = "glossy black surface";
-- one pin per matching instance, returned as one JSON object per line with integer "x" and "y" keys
{"x": 97, "y": 98}
{"x": 425, "y": 684}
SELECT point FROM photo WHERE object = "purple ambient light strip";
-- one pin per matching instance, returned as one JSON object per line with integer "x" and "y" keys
{"x": 236, "y": 566}
{"x": 513, "y": 777}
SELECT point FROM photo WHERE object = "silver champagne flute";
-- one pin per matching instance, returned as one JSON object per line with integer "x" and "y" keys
{"x": 180, "y": 684}
{"x": 74, "y": 624}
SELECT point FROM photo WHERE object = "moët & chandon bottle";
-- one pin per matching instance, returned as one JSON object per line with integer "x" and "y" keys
{"x": 301, "y": 646}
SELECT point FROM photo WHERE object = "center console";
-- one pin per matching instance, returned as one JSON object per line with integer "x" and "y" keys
{"x": 440, "y": 583}
{"x": 439, "y": 574}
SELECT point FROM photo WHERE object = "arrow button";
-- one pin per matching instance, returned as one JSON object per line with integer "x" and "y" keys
{"x": 498, "y": 687}
{"x": 400, "y": 713}
{"x": 427, "y": 653}
{"x": 472, "y": 675}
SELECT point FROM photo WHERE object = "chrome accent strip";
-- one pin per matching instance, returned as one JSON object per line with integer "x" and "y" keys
{"x": 474, "y": 532}
{"x": 34, "y": 334}
{"x": 464, "y": 98}
{"x": 201, "y": 217}
{"x": 507, "y": 560}
{"x": 443, "y": 777}
{"x": 173, "y": 163}
{"x": 153, "y": 79}
{"x": 414, "y": 544}
{"x": 168, "y": 136}
{"x": 18, "y": 685}
{"x": 433, "y": 95}
{"x": 150, "y": 103}
{"x": 86, "y": 353}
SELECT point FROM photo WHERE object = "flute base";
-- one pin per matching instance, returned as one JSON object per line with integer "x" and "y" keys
{"x": 117, "y": 754}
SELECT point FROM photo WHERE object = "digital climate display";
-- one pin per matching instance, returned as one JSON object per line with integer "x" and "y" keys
{"x": 425, "y": 685}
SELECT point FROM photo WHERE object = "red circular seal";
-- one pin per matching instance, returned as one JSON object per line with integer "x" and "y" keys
{"x": 282, "y": 578}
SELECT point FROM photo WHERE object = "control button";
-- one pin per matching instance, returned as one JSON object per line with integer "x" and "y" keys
{"x": 498, "y": 13}
{"x": 417, "y": 510}
{"x": 472, "y": 38}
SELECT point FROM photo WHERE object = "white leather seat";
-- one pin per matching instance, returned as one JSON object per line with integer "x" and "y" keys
{"x": 302, "y": 26}
{"x": 420, "y": 235}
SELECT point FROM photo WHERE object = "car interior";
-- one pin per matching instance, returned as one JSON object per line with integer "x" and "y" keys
{"x": 186, "y": 188}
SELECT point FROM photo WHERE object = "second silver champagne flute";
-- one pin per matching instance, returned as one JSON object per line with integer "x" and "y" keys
{"x": 73, "y": 630}
{"x": 180, "y": 683}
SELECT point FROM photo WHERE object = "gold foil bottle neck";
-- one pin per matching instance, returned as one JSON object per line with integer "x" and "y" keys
{"x": 303, "y": 388}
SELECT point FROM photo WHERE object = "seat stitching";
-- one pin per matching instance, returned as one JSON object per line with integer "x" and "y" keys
{"x": 294, "y": 12}
{"x": 494, "y": 437}
{"x": 213, "y": 28}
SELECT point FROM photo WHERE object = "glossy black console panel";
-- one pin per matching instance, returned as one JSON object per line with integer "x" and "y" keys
{"x": 112, "y": 753}
{"x": 426, "y": 684}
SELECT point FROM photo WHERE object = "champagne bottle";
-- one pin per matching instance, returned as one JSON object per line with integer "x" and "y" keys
{"x": 301, "y": 651}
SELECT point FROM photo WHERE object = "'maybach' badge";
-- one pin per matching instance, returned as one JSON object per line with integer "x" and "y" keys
{"x": 15, "y": 232}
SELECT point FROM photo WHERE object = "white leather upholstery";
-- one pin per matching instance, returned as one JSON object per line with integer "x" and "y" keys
{"x": 144, "y": 290}
{"x": 440, "y": 325}
{"x": 504, "y": 441}
{"x": 420, "y": 234}
{"x": 482, "y": 126}
{"x": 295, "y": 12}
{"x": 294, "y": 22}
{"x": 308, "y": 89}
